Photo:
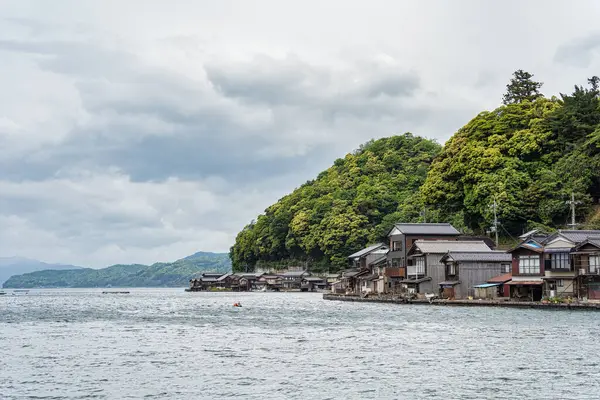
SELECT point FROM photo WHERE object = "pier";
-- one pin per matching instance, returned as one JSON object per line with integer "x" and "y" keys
{"x": 465, "y": 303}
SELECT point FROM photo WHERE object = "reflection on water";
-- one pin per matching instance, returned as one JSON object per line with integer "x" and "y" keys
{"x": 168, "y": 344}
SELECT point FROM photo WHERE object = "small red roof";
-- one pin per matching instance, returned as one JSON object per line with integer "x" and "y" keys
{"x": 501, "y": 278}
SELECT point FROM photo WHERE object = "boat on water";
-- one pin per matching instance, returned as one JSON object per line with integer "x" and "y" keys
{"x": 2, "y": 293}
{"x": 115, "y": 292}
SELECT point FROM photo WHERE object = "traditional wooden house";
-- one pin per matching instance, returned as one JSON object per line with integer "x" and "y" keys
{"x": 247, "y": 282}
{"x": 403, "y": 235}
{"x": 425, "y": 270}
{"x": 312, "y": 283}
{"x": 586, "y": 261}
{"x": 560, "y": 276}
{"x": 527, "y": 271}
{"x": 269, "y": 282}
{"x": 368, "y": 283}
{"x": 362, "y": 258}
{"x": 464, "y": 270}
{"x": 350, "y": 283}
{"x": 224, "y": 281}
{"x": 292, "y": 280}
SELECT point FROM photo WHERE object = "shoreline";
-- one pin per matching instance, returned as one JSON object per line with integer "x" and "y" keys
{"x": 467, "y": 303}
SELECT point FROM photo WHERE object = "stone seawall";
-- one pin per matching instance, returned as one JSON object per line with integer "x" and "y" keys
{"x": 467, "y": 303}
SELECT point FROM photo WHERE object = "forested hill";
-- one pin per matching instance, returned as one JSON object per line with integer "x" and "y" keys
{"x": 347, "y": 206}
{"x": 529, "y": 155}
{"x": 172, "y": 274}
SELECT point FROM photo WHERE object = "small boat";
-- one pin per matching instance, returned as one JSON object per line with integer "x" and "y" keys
{"x": 237, "y": 304}
{"x": 115, "y": 292}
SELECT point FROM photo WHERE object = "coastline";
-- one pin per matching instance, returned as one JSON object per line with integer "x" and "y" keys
{"x": 466, "y": 303}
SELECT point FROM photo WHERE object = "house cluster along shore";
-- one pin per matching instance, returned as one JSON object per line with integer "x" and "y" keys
{"x": 433, "y": 261}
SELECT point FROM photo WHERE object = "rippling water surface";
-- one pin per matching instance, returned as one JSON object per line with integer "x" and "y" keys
{"x": 168, "y": 344}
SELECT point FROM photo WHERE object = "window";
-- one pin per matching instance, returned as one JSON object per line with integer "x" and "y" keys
{"x": 594, "y": 263}
{"x": 397, "y": 246}
{"x": 396, "y": 262}
{"x": 420, "y": 264}
{"x": 560, "y": 283}
{"x": 560, "y": 261}
{"x": 529, "y": 265}
{"x": 505, "y": 268}
{"x": 452, "y": 269}
{"x": 418, "y": 267}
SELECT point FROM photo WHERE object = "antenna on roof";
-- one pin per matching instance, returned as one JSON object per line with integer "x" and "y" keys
{"x": 572, "y": 203}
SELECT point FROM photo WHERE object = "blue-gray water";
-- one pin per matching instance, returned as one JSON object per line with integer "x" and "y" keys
{"x": 168, "y": 344}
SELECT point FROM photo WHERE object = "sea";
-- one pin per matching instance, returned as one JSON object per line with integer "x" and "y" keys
{"x": 170, "y": 344}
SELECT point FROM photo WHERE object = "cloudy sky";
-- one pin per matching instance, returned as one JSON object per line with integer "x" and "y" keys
{"x": 139, "y": 130}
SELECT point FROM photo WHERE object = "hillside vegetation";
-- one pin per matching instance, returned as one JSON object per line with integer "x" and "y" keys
{"x": 347, "y": 206}
{"x": 528, "y": 155}
{"x": 175, "y": 274}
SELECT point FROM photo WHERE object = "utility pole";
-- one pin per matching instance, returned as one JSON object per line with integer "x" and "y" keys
{"x": 424, "y": 214}
{"x": 494, "y": 207}
{"x": 572, "y": 203}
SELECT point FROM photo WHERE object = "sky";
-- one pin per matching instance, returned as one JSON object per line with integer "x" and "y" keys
{"x": 139, "y": 131}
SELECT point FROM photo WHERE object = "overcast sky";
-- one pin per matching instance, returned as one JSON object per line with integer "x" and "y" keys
{"x": 142, "y": 131}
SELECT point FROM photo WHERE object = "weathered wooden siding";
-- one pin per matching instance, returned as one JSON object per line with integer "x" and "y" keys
{"x": 435, "y": 269}
{"x": 474, "y": 273}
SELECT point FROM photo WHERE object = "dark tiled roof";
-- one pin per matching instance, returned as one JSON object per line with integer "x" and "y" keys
{"x": 427, "y": 229}
{"x": 577, "y": 236}
{"x": 494, "y": 256}
{"x": 294, "y": 273}
{"x": 444, "y": 246}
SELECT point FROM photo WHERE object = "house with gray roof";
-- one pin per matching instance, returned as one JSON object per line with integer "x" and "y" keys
{"x": 466, "y": 269}
{"x": 426, "y": 271}
{"x": 557, "y": 266}
{"x": 362, "y": 258}
{"x": 403, "y": 235}
{"x": 292, "y": 280}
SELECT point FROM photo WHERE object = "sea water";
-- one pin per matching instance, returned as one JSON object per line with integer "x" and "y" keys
{"x": 169, "y": 344}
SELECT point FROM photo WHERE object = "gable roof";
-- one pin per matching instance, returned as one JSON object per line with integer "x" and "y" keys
{"x": 578, "y": 236}
{"x": 445, "y": 246}
{"x": 294, "y": 273}
{"x": 425, "y": 229}
{"x": 367, "y": 250}
{"x": 492, "y": 256}
{"x": 223, "y": 277}
{"x": 593, "y": 241}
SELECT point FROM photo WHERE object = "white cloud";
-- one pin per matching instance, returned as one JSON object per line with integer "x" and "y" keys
{"x": 146, "y": 130}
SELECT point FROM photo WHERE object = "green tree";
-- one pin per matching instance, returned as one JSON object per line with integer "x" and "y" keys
{"x": 522, "y": 88}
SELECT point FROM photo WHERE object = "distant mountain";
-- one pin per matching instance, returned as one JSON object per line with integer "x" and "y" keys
{"x": 174, "y": 274}
{"x": 10, "y": 266}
